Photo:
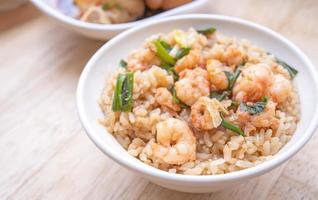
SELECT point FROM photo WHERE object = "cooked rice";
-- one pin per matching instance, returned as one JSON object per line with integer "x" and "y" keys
{"x": 219, "y": 150}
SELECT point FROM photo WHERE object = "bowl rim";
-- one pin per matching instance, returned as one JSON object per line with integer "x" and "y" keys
{"x": 160, "y": 174}
{"x": 54, "y": 13}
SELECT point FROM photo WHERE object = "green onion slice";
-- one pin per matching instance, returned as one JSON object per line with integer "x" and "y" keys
{"x": 163, "y": 53}
{"x": 228, "y": 125}
{"x": 165, "y": 45}
{"x": 292, "y": 72}
{"x": 122, "y": 99}
{"x": 177, "y": 100}
{"x": 234, "y": 105}
{"x": 173, "y": 72}
{"x": 123, "y": 63}
{"x": 207, "y": 31}
{"x": 220, "y": 95}
{"x": 182, "y": 52}
{"x": 232, "y": 77}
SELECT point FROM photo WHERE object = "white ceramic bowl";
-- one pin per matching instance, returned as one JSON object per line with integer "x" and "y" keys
{"x": 107, "y": 31}
{"x": 105, "y": 60}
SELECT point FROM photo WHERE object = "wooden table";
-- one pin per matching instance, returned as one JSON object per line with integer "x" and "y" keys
{"x": 45, "y": 153}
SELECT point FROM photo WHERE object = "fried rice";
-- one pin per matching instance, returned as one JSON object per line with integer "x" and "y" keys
{"x": 185, "y": 98}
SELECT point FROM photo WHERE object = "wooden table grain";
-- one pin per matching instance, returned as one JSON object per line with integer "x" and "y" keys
{"x": 44, "y": 152}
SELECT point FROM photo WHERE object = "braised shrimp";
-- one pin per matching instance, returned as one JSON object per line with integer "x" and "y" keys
{"x": 253, "y": 83}
{"x": 164, "y": 98}
{"x": 192, "y": 85}
{"x": 189, "y": 61}
{"x": 205, "y": 113}
{"x": 234, "y": 55}
{"x": 216, "y": 75}
{"x": 264, "y": 119}
{"x": 280, "y": 88}
{"x": 142, "y": 60}
{"x": 176, "y": 143}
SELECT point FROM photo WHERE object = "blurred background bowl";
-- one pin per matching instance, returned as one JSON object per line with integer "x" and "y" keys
{"x": 107, "y": 31}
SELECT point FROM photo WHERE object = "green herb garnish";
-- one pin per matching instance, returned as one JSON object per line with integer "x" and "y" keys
{"x": 207, "y": 31}
{"x": 292, "y": 72}
{"x": 255, "y": 108}
{"x": 123, "y": 63}
{"x": 220, "y": 95}
{"x": 228, "y": 125}
{"x": 122, "y": 99}
{"x": 234, "y": 105}
{"x": 165, "y": 45}
{"x": 182, "y": 52}
{"x": 232, "y": 77}
{"x": 116, "y": 106}
{"x": 177, "y": 100}
{"x": 173, "y": 73}
{"x": 163, "y": 53}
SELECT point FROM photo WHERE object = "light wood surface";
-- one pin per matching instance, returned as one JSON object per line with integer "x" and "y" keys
{"x": 44, "y": 152}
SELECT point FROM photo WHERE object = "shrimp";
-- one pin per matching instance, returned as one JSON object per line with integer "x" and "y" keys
{"x": 231, "y": 55}
{"x": 264, "y": 119}
{"x": 205, "y": 113}
{"x": 141, "y": 60}
{"x": 253, "y": 83}
{"x": 176, "y": 143}
{"x": 280, "y": 88}
{"x": 189, "y": 61}
{"x": 234, "y": 56}
{"x": 216, "y": 75}
{"x": 164, "y": 98}
{"x": 192, "y": 85}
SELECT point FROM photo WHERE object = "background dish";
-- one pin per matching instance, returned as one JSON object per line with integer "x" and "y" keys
{"x": 107, "y": 31}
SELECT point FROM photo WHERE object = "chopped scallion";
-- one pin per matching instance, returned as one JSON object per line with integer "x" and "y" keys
{"x": 228, "y": 125}
{"x": 234, "y": 105}
{"x": 177, "y": 100}
{"x": 292, "y": 72}
{"x": 123, "y": 63}
{"x": 165, "y": 45}
{"x": 122, "y": 99}
{"x": 232, "y": 77}
{"x": 220, "y": 95}
{"x": 182, "y": 52}
{"x": 163, "y": 53}
{"x": 207, "y": 31}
